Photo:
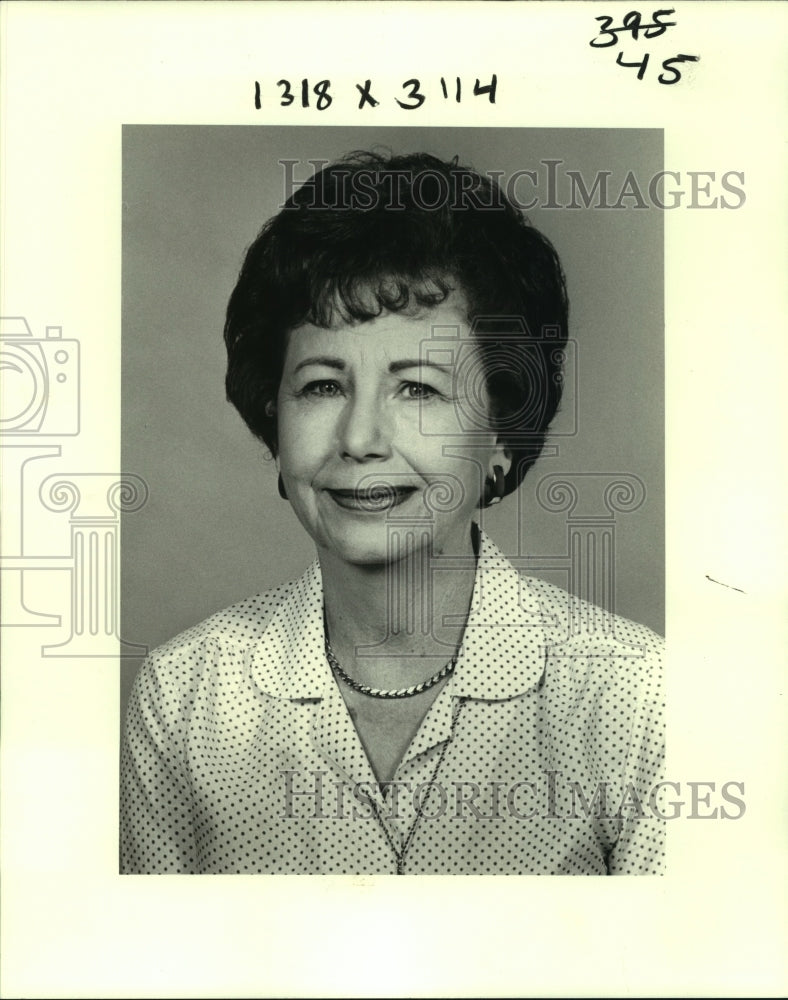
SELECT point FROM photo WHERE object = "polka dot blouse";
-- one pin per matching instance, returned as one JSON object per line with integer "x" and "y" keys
{"x": 541, "y": 755}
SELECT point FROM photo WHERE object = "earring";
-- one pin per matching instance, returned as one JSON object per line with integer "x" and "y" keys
{"x": 494, "y": 489}
{"x": 281, "y": 486}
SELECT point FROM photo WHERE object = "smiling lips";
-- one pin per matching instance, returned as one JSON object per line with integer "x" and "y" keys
{"x": 379, "y": 498}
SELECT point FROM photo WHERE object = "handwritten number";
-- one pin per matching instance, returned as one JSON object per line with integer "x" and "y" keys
{"x": 319, "y": 93}
{"x": 287, "y": 94}
{"x": 676, "y": 74}
{"x": 659, "y": 27}
{"x": 457, "y": 92}
{"x": 414, "y": 95}
{"x": 605, "y": 30}
{"x": 320, "y": 89}
{"x": 490, "y": 88}
{"x": 632, "y": 23}
{"x": 324, "y": 99}
{"x": 642, "y": 64}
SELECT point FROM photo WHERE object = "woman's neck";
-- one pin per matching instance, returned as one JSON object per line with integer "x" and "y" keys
{"x": 401, "y": 619}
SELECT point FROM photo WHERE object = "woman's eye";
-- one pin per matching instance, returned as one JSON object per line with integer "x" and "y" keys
{"x": 418, "y": 390}
{"x": 321, "y": 387}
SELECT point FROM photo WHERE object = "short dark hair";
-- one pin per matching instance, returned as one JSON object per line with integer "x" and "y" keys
{"x": 376, "y": 232}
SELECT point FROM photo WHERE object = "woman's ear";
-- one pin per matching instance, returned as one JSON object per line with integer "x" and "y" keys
{"x": 498, "y": 467}
{"x": 502, "y": 457}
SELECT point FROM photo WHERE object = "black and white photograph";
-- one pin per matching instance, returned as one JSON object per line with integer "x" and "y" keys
{"x": 398, "y": 345}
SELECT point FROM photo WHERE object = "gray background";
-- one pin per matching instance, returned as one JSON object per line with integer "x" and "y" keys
{"x": 214, "y": 529}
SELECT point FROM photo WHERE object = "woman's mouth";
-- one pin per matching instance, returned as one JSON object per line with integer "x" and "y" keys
{"x": 374, "y": 500}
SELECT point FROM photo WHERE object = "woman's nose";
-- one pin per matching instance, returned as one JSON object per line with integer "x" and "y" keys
{"x": 365, "y": 432}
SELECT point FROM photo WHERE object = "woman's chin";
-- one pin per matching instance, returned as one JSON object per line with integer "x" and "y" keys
{"x": 373, "y": 546}
{"x": 359, "y": 553}
{"x": 379, "y": 541}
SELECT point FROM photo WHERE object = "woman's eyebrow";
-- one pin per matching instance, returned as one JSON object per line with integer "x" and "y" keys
{"x": 322, "y": 360}
{"x": 398, "y": 366}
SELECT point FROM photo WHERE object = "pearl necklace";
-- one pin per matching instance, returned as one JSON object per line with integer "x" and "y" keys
{"x": 445, "y": 671}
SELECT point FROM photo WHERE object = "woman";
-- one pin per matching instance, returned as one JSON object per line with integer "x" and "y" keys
{"x": 411, "y": 704}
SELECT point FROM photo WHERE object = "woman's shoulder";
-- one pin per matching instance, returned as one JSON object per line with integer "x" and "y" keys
{"x": 228, "y": 633}
{"x": 575, "y": 627}
{"x": 571, "y": 626}
{"x": 213, "y": 654}
{"x": 610, "y": 664}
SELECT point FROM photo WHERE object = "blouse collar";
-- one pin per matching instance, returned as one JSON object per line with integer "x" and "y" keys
{"x": 502, "y": 655}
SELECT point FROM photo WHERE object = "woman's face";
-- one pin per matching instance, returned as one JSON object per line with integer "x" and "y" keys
{"x": 370, "y": 435}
